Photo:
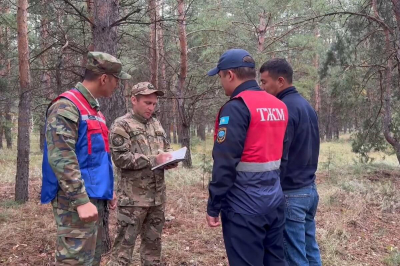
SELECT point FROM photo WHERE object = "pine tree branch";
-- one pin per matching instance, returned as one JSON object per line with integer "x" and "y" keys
{"x": 125, "y": 18}
{"x": 377, "y": 20}
{"x": 79, "y": 12}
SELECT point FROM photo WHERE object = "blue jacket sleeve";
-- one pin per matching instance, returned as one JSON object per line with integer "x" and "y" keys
{"x": 227, "y": 152}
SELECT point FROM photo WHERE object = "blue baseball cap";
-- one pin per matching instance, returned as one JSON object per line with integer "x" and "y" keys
{"x": 231, "y": 59}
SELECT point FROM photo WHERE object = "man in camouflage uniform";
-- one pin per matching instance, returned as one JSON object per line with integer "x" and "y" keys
{"x": 77, "y": 214}
{"x": 138, "y": 143}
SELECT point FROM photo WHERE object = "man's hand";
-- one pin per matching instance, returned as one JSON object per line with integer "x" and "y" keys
{"x": 163, "y": 157}
{"x": 112, "y": 204}
{"x": 213, "y": 221}
{"x": 87, "y": 212}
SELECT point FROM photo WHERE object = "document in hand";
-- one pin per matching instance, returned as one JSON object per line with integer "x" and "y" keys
{"x": 177, "y": 156}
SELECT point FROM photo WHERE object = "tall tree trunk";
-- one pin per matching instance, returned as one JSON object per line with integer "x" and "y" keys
{"x": 46, "y": 78}
{"x": 387, "y": 121}
{"x": 328, "y": 129}
{"x": 60, "y": 60}
{"x": 175, "y": 129}
{"x": 185, "y": 119}
{"x": 201, "y": 131}
{"x": 175, "y": 121}
{"x": 90, "y": 7}
{"x": 396, "y": 10}
{"x": 8, "y": 124}
{"x": 317, "y": 87}
{"x": 167, "y": 117}
{"x": 105, "y": 36}
{"x": 261, "y": 31}
{"x": 24, "y": 107}
{"x": 1, "y": 128}
{"x": 152, "y": 10}
{"x": 5, "y": 70}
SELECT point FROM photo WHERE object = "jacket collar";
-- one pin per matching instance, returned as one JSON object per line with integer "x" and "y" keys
{"x": 286, "y": 92}
{"x": 244, "y": 86}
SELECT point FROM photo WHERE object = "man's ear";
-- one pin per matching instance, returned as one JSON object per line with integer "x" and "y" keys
{"x": 231, "y": 75}
{"x": 103, "y": 79}
{"x": 281, "y": 80}
{"x": 133, "y": 100}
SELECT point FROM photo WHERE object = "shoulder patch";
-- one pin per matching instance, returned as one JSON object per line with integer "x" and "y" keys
{"x": 224, "y": 120}
{"x": 221, "y": 135}
{"x": 117, "y": 141}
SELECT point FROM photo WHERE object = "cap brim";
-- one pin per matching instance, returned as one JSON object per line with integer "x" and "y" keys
{"x": 148, "y": 92}
{"x": 213, "y": 72}
{"x": 124, "y": 75}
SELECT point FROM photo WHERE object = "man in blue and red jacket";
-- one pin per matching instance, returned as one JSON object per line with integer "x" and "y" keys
{"x": 77, "y": 170}
{"x": 245, "y": 187}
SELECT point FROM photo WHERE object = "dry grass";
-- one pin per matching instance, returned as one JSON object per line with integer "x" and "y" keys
{"x": 357, "y": 221}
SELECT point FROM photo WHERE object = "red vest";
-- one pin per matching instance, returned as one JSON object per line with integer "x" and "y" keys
{"x": 90, "y": 115}
{"x": 264, "y": 141}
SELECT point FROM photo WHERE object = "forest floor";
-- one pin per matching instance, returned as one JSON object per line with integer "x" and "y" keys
{"x": 358, "y": 217}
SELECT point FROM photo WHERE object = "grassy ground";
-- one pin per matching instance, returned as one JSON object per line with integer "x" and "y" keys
{"x": 358, "y": 216}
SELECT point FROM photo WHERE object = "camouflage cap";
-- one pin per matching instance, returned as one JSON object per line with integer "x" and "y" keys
{"x": 145, "y": 88}
{"x": 104, "y": 63}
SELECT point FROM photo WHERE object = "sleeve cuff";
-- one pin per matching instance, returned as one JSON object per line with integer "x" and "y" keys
{"x": 212, "y": 212}
{"x": 83, "y": 199}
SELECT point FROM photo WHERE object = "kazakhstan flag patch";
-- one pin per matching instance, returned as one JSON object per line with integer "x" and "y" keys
{"x": 224, "y": 120}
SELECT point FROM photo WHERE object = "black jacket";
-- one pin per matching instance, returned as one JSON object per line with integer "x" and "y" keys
{"x": 301, "y": 147}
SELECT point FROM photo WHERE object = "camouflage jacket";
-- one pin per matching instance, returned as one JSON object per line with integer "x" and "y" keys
{"x": 135, "y": 142}
{"x": 61, "y": 136}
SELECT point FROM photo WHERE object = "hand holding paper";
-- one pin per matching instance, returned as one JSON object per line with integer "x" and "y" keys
{"x": 171, "y": 159}
{"x": 163, "y": 158}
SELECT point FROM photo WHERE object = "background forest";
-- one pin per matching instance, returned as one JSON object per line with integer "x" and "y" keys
{"x": 345, "y": 55}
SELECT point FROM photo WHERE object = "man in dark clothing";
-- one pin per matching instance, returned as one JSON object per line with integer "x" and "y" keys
{"x": 299, "y": 164}
{"x": 245, "y": 185}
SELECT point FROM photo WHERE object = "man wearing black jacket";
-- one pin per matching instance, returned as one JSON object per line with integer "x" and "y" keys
{"x": 298, "y": 166}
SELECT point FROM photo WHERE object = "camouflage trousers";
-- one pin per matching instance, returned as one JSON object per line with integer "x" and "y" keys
{"x": 132, "y": 221}
{"x": 78, "y": 243}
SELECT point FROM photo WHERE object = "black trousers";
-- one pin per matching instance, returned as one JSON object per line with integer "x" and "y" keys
{"x": 254, "y": 240}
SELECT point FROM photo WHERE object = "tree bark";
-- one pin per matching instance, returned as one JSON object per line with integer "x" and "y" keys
{"x": 175, "y": 129}
{"x": 167, "y": 116}
{"x": 5, "y": 64}
{"x": 1, "y": 129}
{"x": 387, "y": 121}
{"x": 105, "y": 13}
{"x": 262, "y": 29}
{"x": 105, "y": 36}
{"x": 317, "y": 87}
{"x": 201, "y": 131}
{"x": 46, "y": 78}
{"x": 396, "y": 10}
{"x": 8, "y": 125}
{"x": 152, "y": 10}
{"x": 24, "y": 107}
{"x": 185, "y": 121}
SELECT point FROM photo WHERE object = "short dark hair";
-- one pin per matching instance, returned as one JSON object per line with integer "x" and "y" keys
{"x": 243, "y": 72}
{"x": 90, "y": 75}
{"x": 278, "y": 67}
